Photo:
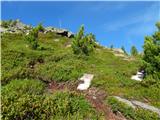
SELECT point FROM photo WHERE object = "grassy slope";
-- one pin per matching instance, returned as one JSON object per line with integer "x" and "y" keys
{"x": 58, "y": 63}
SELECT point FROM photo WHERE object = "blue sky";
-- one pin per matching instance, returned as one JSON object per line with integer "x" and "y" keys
{"x": 118, "y": 23}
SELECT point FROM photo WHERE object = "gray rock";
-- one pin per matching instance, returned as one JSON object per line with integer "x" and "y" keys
{"x": 127, "y": 102}
{"x": 3, "y": 30}
{"x": 135, "y": 104}
{"x": 146, "y": 106}
{"x": 16, "y": 27}
{"x": 70, "y": 34}
{"x": 19, "y": 25}
{"x": 59, "y": 31}
{"x": 118, "y": 50}
{"x": 49, "y": 29}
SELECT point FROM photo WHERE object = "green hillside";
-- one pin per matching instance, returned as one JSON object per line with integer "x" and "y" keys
{"x": 27, "y": 73}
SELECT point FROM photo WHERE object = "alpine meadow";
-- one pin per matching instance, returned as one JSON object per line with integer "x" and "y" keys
{"x": 52, "y": 73}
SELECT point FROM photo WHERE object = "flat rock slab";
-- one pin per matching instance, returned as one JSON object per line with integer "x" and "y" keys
{"x": 86, "y": 78}
{"x": 129, "y": 103}
{"x": 134, "y": 104}
{"x": 146, "y": 106}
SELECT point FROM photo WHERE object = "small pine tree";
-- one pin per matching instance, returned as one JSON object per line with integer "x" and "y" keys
{"x": 40, "y": 27}
{"x": 151, "y": 55}
{"x": 83, "y": 44}
{"x": 124, "y": 50}
{"x": 134, "y": 51}
{"x": 32, "y": 38}
{"x": 111, "y": 46}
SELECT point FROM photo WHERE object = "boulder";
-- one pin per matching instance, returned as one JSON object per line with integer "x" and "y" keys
{"x": 70, "y": 34}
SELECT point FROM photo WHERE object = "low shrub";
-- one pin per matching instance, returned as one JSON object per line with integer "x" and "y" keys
{"x": 20, "y": 87}
{"x": 25, "y": 100}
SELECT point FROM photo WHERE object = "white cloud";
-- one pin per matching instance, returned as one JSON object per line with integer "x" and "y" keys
{"x": 114, "y": 6}
{"x": 151, "y": 14}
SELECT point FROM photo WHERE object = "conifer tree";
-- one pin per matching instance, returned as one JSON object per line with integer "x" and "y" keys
{"x": 151, "y": 55}
{"x": 83, "y": 44}
{"x": 124, "y": 50}
{"x": 134, "y": 51}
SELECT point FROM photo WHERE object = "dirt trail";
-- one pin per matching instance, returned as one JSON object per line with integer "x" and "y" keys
{"x": 94, "y": 95}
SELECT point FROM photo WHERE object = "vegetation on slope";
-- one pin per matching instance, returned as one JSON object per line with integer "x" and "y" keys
{"x": 25, "y": 99}
{"x": 57, "y": 62}
{"x": 151, "y": 55}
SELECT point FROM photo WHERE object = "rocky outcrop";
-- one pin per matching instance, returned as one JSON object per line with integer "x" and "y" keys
{"x": 118, "y": 51}
{"x": 16, "y": 26}
{"x": 62, "y": 32}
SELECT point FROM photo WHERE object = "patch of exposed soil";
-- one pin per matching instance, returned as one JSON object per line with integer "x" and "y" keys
{"x": 54, "y": 86}
{"x": 94, "y": 95}
{"x": 97, "y": 97}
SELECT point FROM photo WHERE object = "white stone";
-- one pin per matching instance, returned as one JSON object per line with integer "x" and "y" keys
{"x": 139, "y": 76}
{"x": 27, "y": 33}
{"x": 94, "y": 97}
{"x": 135, "y": 77}
{"x": 68, "y": 46}
{"x": 86, "y": 78}
{"x": 56, "y": 40}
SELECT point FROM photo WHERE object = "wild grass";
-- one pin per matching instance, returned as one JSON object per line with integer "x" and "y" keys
{"x": 26, "y": 99}
{"x": 56, "y": 62}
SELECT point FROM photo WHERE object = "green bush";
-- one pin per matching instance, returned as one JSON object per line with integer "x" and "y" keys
{"x": 59, "y": 69}
{"x": 122, "y": 107}
{"x": 83, "y": 44}
{"x": 20, "y": 87}
{"x": 32, "y": 38}
{"x": 151, "y": 55}
{"x": 25, "y": 99}
{"x": 134, "y": 51}
{"x": 129, "y": 112}
{"x": 124, "y": 50}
